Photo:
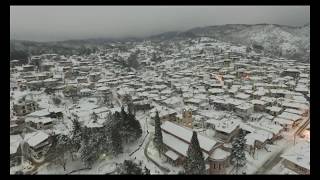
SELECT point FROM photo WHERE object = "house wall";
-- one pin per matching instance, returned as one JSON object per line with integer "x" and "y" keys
{"x": 23, "y": 109}
{"x": 218, "y": 166}
{"x": 259, "y": 107}
{"x": 187, "y": 118}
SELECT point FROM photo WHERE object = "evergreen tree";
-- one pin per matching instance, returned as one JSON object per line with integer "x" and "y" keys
{"x": 130, "y": 167}
{"x": 130, "y": 128}
{"x": 131, "y": 108}
{"x": 132, "y": 60}
{"x": 117, "y": 119}
{"x": 59, "y": 149}
{"x": 116, "y": 147}
{"x": 86, "y": 155}
{"x": 123, "y": 115}
{"x": 90, "y": 147}
{"x": 238, "y": 157}
{"x": 154, "y": 57}
{"x": 94, "y": 116}
{"x": 195, "y": 162}
{"x": 76, "y": 132}
{"x": 158, "y": 141}
{"x": 134, "y": 127}
{"x": 124, "y": 124}
{"x": 146, "y": 170}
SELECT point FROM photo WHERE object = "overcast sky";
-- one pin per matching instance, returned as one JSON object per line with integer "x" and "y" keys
{"x": 52, "y": 23}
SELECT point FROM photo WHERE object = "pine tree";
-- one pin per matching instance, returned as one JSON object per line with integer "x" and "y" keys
{"x": 90, "y": 147}
{"x": 158, "y": 140}
{"x": 94, "y": 116}
{"x": 116, "y": 142}
{"x": 59, "y": 149}
{"x": 86, "y": 155}
{"x": 124, "y": 124}
{"x": 146, "y": 170}
{"x": 195, "y": 162}
{"x": 238, "y": 157}
{"x": 134, "y": 127}
{"x": 76, "y": 132}
{"x": 130, "y": 167}
{"x": 129, "y": 128}
{"x": 123, "y": 114}
{"x": 131, "y": 108}
{"x": 116, "y": 119}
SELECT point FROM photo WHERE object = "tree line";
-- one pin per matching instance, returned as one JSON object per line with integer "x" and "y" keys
{"x": 90, "y": 143}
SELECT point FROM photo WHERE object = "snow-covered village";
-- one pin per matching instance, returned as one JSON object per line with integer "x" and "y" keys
{"x": 170, "y": 104}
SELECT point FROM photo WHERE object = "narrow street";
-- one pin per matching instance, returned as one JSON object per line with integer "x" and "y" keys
{"x": 270, "y": 163}
{"x": 163, "y": 169}
{"x": 275, "y": 159}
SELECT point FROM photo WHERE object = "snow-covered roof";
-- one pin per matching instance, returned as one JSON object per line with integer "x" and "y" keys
{"x": 14, "y": 143}
{"x": 211, "y": 114}
{"x": 40, "y": 113}
{"x": 282, "y": 121}
{"x": 267, "y": 125}
{"x": 194, "y": 100}
{"x": 289, "y": 116}
{"x": 172, "y": 101}
{"x": 172, "y": 155}
{"x": 100, "y": 110}
{"x": 256, "y": 101}
{"x": 219, "y": 154}
{"x": 55, "y": 109}
{"x": 247, "y": 127}
{"x": 268, "y": 99}
{"x": 227, "y": 125}
{"x": 85, "y": 90}
{"x": 274, "y": 108}
{"x": 242, "y": 96}
{"x": 294, "y": 111}
{"x": 104, "y": 88}
{"x": 186, "y": 133}
{"x": 38, "y": 120}
{"x": 260, "y": 135}
{"x": 245, "y": 106}
{"x": 295, "y": 105}
{"x": 178, "y": 145}
{"x": 215, "y": 90}
{"x": 166, "y": 91}
{"x": 175, "y": 143}
{"x": 35, "y": 138}
{"x": 234, "y": 101}
{"x": 299, "y": 155}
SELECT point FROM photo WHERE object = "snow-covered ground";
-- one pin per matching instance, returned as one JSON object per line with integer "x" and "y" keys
{"x": 107, "y": 164}
{"x": 262, "y": 156}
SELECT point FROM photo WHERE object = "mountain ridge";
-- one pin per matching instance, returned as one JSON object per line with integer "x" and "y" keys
{"x": 280, "y": 40}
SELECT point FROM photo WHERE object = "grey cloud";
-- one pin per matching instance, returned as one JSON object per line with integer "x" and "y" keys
{"x": 44, "y": 23}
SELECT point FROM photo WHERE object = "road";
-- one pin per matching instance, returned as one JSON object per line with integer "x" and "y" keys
{"x": 270, "y": 163}
{"x": 163, "y": 169}
{"x": 275, "y": 159}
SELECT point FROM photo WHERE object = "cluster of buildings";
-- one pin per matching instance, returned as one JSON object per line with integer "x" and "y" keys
{"x": 207, "y": 86}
